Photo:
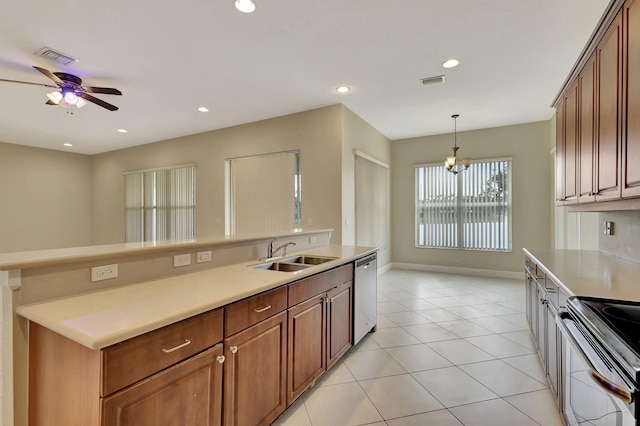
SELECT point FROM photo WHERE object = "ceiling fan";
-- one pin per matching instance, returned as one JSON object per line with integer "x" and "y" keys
{"x": 72, "y": 92}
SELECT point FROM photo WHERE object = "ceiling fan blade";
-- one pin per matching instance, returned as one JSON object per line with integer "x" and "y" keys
{"x": 96, "y": 101}
{"x": 105, "y": 90}
{"x": 50, "y": 103}
{"x": 28, "y": 82}
{"x": 49, "y": 74}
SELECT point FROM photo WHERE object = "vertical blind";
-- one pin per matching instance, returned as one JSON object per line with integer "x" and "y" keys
{"x": 160, "y": 204}
{"x": 371, "y": 201}
{"x": 264, "y": 193}
{"x": 471, "y": 210}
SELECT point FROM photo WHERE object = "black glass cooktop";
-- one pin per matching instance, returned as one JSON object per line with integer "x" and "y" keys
{"x": 621, "y": 316}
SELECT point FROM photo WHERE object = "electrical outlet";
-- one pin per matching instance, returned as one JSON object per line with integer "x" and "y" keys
{"x": 608, "y": 228}
{"x": 181, "y": 260}
{"x": 203, "y": 256}
{"x": 106, "y": 272}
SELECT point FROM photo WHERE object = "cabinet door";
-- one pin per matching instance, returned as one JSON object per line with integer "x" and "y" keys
{"x": 553, "y": 353}
{"x": 586, "y": 140}
{"x": 339, "y": 322}
{"x": 306, "y": 346}
{"x": 541, "y": 335}
{"x": 189, "y": 393}
{"x": 560, "y": 154}
{"x": 608, "y": 114}
{"x": 631, "y": 141}
{"x": 255, "y": 372}
{"x": 570, "y": 145}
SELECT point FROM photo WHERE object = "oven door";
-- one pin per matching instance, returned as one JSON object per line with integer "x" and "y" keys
{"x": 595, "y": 393}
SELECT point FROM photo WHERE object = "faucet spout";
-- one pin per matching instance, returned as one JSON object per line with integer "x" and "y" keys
{"x": 283, "y": 246}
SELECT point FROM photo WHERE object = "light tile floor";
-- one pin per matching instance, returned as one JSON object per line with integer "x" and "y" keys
{"x": 450, "y": 350}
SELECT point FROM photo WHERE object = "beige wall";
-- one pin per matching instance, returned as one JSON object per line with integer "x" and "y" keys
{"x": 316, "y": 133}
{"x": 45, "y": 198}
{"x": 528, "y": 145}
{"x": 358, "y": 134}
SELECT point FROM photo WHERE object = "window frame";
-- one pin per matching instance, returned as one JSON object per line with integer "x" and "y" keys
{"x": 460, "y": 207}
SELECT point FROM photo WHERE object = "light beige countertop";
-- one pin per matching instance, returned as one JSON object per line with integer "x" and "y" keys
{"x": 590, "y": 273}
{"x": 40, "y": 258}
{"x": 103, "y": 318}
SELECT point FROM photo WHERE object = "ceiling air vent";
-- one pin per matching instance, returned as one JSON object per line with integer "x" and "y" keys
{"x": 432, "y": 80}
{"x": 55, "y": 56}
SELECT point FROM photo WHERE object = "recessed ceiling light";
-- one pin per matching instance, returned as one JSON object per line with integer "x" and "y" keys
{"x": 450, "y": 63}
{"x": 245, "y": 6}
{"x": 67, "y": 144}
{"x": 343, "y": 89}
{"x": 203, "y": 109}
{"x": 122, "y": 130}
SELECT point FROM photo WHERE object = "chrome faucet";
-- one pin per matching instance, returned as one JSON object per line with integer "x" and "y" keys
{"x": 271, "y": 251}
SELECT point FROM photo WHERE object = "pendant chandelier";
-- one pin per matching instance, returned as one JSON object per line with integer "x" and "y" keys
{"x": 451, "y": 163}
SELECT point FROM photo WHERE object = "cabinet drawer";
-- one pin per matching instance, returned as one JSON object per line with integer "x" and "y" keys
{"x": 250, "y": 311}
{"x": 134, "y": 359}
{"x": 309, "y": 287}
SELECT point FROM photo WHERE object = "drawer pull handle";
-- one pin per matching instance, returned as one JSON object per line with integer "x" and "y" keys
{"x": 220, "y": 359}
{"x": 265, "y": 308}
{"x": 186, "y": 343}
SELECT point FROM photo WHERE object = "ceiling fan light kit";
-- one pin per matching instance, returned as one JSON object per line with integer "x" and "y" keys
{"x": 72, "y": 92}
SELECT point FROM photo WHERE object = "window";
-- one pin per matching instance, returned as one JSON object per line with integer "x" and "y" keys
{"x": 160, "y": 204}
{"x": 263, "y": 193}
{"x": 471, "y": 210}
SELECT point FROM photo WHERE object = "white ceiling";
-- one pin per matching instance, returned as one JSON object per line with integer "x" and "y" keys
{"x": 168, "y": 58}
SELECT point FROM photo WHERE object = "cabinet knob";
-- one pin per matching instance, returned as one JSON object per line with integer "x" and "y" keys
{"x": 220, "y": 359}
{"x": 233, "y": 349}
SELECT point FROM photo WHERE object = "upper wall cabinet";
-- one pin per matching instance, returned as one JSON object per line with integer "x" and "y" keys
{"x": 631, "y": 141}
{"x": 598, "y": 117}
{"x": 608, "y": 113}
{"x": 586, "y": 131}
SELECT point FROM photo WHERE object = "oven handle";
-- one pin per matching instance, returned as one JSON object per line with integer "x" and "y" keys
{"x": 619, "y": 391}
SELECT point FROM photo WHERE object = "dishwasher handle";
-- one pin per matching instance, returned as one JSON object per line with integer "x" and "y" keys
{"x": 365, "y": 263}
{"x": 615, "y": 389}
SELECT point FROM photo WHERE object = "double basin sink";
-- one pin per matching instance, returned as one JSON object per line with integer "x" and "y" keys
{"x": 293, "y": 263}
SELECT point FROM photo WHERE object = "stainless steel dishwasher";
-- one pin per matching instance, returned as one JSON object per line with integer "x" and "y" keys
{"x": 365, "y": 297}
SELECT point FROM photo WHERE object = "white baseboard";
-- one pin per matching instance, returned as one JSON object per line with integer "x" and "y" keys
{"x": 383, "y": 269}
{"x": 455, "y": 270}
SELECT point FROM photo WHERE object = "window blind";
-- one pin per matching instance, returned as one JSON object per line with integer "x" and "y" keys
{"x": 264, "y": 193}
{"x": 160, "y": 204}
{"x": 471, "y": 210}
{"x": 371, "y": 201}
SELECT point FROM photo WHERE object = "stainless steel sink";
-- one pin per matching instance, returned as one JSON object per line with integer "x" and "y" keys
{"x": 280, "y": 266}
{"x": 307, "y": 260}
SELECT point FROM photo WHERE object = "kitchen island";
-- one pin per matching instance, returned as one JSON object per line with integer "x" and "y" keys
{"x": 55, "y": 292}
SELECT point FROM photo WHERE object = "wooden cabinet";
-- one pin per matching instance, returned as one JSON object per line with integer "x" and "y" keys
{"x": 543, "y": 301}
{"x": 607, "y": 118}
{"x": 569, "y": 169}
{"x": 255, "y": 372}
{"x": 189, "y": 393}
{"x": 130, "y": 379}
{"x": 320, "y": 327}
{"x": 560, "y": 153}
{"x": 608, "y": 113}
{"x": 307, "y": 343}
{"x": 339, "y": 322}
{"x": 586, "y": 131}
{"x": 631, "y": 139}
